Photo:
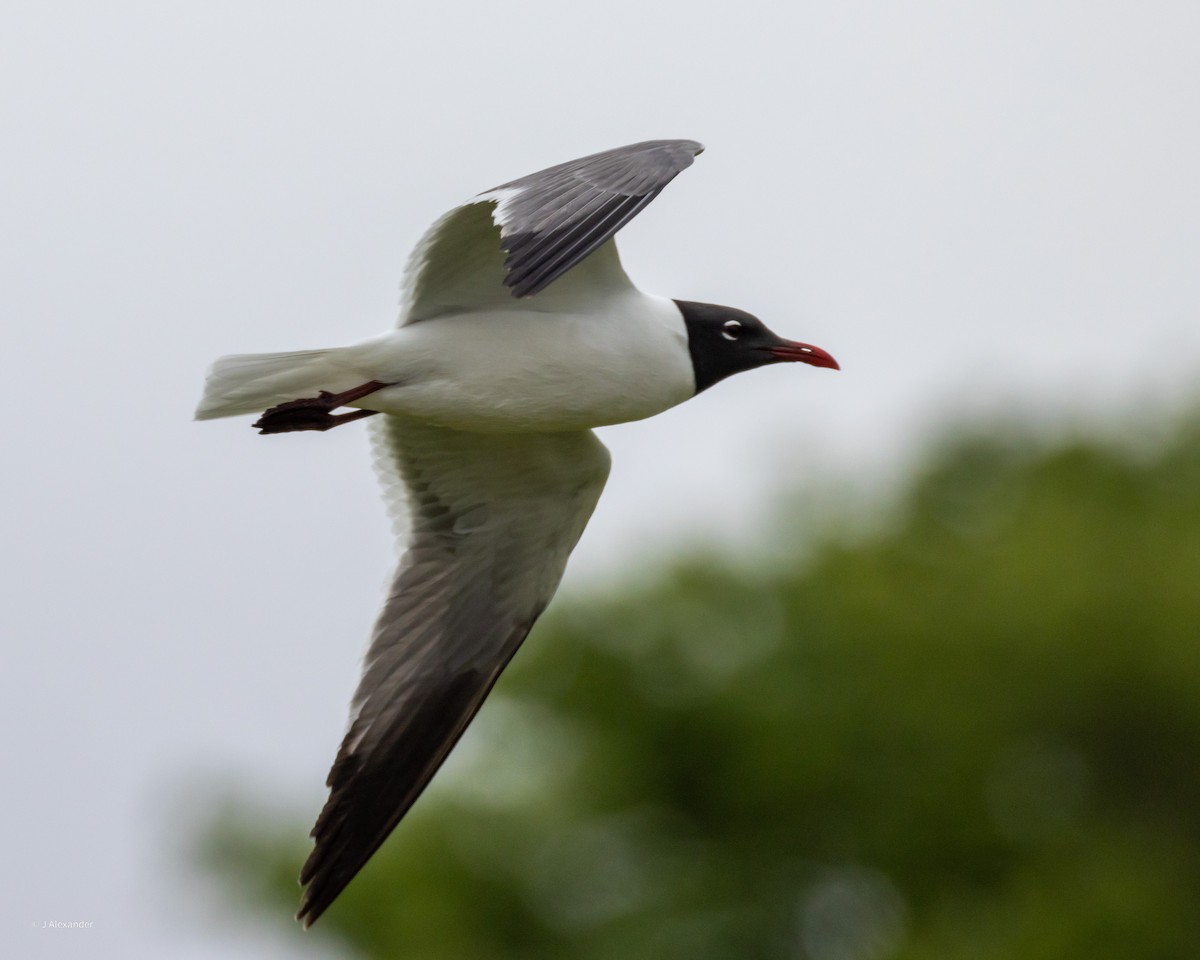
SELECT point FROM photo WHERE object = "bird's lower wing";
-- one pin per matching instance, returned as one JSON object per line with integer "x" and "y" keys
{"x": 492, "y": 519}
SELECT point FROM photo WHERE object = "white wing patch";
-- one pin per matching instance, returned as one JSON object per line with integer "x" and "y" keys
{"x": 503, "y": 198}
{"x": 457, "y": 267}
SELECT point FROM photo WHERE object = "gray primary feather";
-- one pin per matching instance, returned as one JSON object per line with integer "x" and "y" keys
{"x": 493, "y": 518}
{"x": 552, "y": 219}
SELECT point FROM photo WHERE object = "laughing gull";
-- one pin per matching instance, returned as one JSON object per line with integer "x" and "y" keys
{"x": 519, "y": 333}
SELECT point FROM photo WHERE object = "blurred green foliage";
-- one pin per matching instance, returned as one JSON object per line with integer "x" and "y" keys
{"x": 972, "y": 734}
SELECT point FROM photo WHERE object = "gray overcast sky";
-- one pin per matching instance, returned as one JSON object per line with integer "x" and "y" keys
{"x": 974, "y": 206}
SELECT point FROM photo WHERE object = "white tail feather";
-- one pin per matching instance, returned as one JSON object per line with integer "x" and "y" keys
{"x": 252, "y": 382}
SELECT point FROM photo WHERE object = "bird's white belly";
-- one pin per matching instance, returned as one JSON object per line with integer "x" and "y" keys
{"x": 518, "y": 370}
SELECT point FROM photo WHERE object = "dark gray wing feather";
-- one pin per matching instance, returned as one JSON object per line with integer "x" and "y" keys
{"x": 551, "y": 220}
{"x": 493, "y": 519}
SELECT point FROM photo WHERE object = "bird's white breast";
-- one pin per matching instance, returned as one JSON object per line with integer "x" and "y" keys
{"x": 623, "y": 358}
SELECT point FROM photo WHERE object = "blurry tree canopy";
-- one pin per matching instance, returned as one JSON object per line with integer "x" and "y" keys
{"x": 972, "y": 734}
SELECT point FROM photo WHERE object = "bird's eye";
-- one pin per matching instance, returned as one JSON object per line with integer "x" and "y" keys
{"x": 731, "y": 330}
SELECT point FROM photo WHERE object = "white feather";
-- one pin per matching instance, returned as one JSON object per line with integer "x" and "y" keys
{"x": 251, "y": 382}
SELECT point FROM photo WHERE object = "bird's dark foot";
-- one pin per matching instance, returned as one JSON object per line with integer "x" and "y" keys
{"x": 311, "y": 413}
{"x": 315, "y": 413}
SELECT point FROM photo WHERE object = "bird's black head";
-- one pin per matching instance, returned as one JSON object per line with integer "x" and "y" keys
{"x": 724, "y": 341}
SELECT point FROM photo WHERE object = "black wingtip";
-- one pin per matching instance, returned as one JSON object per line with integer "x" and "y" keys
{"x": 319, "y": 893}
{"x": 369, "y": 796}
{"x": 308, "y": 913}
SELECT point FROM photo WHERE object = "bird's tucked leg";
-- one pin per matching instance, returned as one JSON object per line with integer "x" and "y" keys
{"x": 314, "y": 413}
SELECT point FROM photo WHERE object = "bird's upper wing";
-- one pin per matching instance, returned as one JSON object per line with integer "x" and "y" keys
{"x": 493, "y": 518}
{"x": 517, "y": 239}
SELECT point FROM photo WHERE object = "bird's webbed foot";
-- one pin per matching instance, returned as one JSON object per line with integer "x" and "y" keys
{"x": 316, "y": 413}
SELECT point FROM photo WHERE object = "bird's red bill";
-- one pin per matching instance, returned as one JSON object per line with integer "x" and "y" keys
{"x": 791, "y": 350}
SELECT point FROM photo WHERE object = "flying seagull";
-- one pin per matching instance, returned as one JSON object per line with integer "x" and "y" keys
{"x": 519, "y": 333}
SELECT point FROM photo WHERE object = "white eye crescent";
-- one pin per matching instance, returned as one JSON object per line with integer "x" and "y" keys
{"x": 731, "y": 330}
